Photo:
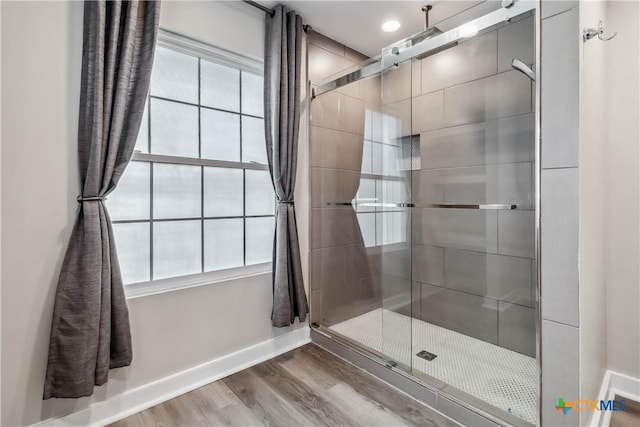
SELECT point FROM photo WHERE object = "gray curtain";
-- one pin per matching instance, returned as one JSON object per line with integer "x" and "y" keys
{"x": 90, "y": 328}
{"x": 282, "y": 67}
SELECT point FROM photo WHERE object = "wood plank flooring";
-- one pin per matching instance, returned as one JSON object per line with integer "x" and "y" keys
{"x": 305, "y": 387}
{"x": 630, "y": 417}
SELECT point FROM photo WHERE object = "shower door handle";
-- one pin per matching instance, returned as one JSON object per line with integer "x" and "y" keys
{"x": 495, "y": 206}
{"x": 480, "y": 207}
{"x": 386, "y": 205}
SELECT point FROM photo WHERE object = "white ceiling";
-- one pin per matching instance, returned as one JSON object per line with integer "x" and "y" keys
{"x": 357, "y": 23}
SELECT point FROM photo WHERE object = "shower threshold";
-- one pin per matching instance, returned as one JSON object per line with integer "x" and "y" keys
{"x": 500, "y": 377}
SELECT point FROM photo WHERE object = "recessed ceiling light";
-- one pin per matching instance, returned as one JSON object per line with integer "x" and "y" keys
{"x": 390, "y": 26}
{"x": 468, "y": 30}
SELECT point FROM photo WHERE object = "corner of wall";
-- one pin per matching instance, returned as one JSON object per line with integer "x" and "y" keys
{"x": 592, "y": 189}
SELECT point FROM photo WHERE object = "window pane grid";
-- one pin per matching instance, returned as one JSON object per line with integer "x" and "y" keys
{"x": 205, "y": 107}
{"x": 171, "y": 117}
{"x": 206, "y": 218}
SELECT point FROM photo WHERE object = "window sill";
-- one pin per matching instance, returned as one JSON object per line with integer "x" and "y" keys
{"x": 143, "y": 289}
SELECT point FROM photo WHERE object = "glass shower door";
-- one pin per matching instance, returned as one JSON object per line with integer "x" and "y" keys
{"x": 437, "y": 276}
{"x": 467, "y": 135}
{"x": 393, "y": 217}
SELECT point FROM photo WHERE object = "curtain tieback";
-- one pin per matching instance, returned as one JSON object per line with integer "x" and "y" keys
{"x": 91, "y": 199}
{"x": 286, "y": 202}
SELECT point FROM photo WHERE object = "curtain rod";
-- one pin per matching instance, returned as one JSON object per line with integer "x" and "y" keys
{"x": 271, "y": 12}
{"x": 259, "y": 6}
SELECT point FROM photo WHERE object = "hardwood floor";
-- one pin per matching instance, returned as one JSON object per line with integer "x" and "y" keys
{"x": 630, "y": 417}
{"x": 307, "y": 386}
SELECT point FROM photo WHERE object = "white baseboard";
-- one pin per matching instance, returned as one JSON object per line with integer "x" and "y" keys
{"x": 130, "y": 402}
{"x": 615, "y": 384}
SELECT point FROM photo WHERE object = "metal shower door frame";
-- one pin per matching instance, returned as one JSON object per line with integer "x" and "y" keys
{"x": 374, "y": 363}
{"x": 397, "y": 53}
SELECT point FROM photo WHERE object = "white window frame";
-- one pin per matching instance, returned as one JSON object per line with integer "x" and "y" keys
{"x": 241, "y": 62}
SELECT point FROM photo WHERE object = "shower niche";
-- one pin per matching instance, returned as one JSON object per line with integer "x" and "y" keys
{"x": 423, "y": 223}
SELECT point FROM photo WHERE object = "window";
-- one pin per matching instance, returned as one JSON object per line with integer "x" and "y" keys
{"x": 197, "y": 196}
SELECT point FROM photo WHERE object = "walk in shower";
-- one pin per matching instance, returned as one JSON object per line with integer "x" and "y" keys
{"x": 424, "y": 221}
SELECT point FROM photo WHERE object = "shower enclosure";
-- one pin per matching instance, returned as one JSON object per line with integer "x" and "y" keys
{"x": 424, "y": 220}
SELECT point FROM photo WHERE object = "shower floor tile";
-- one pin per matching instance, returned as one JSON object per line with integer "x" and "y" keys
{"x": 500, "y": 377}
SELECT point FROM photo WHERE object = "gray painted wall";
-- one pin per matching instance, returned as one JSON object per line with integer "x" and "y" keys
{"x": 174, "y": 331}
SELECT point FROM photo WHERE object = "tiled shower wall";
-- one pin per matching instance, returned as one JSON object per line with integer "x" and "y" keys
{"x": 474, "y": 270}
{"x": 344, "y": 274}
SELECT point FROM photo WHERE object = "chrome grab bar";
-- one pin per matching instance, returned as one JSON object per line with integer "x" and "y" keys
{"x": 496, "y": 206}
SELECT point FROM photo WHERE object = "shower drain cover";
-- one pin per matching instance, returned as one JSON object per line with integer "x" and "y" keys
{"x": 426, "y": 355}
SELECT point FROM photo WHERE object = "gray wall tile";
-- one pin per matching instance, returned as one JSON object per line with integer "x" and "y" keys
{"x": 373, "y": 119}
{"x": 428, "y": 264}
{"x": 560, "y": 89}
{"x": 553, "y": 7}
{"x": 392, "y": 227}
{"x": 337, "y": 304}
{"x": 327, "y": 266}
{"x": 316, "y": 306}
{"x": 465, "y": 313}
{"x": 516, "y": 41}
{"x": 315, "y": 187}
{"x": 370, "y": 90}
{"x": 351, "y": 183}
{"x": 501, "y": 95}
{"x": 517, "y": 328}
{"x": 356, "y": 56}
{"x": 325, "y": 42}
{"x": 324, "y": 63}
{"x": 335, "y": 149}
{"x": 396, "y": 260}
{"x": 426, "y": 112}
{"x": 416, "y": 77}
{"x": 470, "y": 60}
{"x": 396, "y": 295}
{"x": 444, "y": 10}
{"x": 396, "y": 121}
{"x": 560, "y": 245}
{"x": 351, "y": 299}
{"x": 456, "y": 228}
{"x": 334, "y": 110}
{"x": 334, "y": 227}
{"x": 427, "y": 187}
{"x": 508, "y": 140}
{"x": 396, "y": 83}
{"x": 516, "y": 233}
{"x": 496, "y": 276}
{"x": 357, "y": 263}
{"x": 367, "y": 224}
{"x": 560, "y": 372}
{"x": 354, "y": 89}
{"x": 506, "y": 183}
{"x": 516, "y": 139}
{"x": 331, "y": 186}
